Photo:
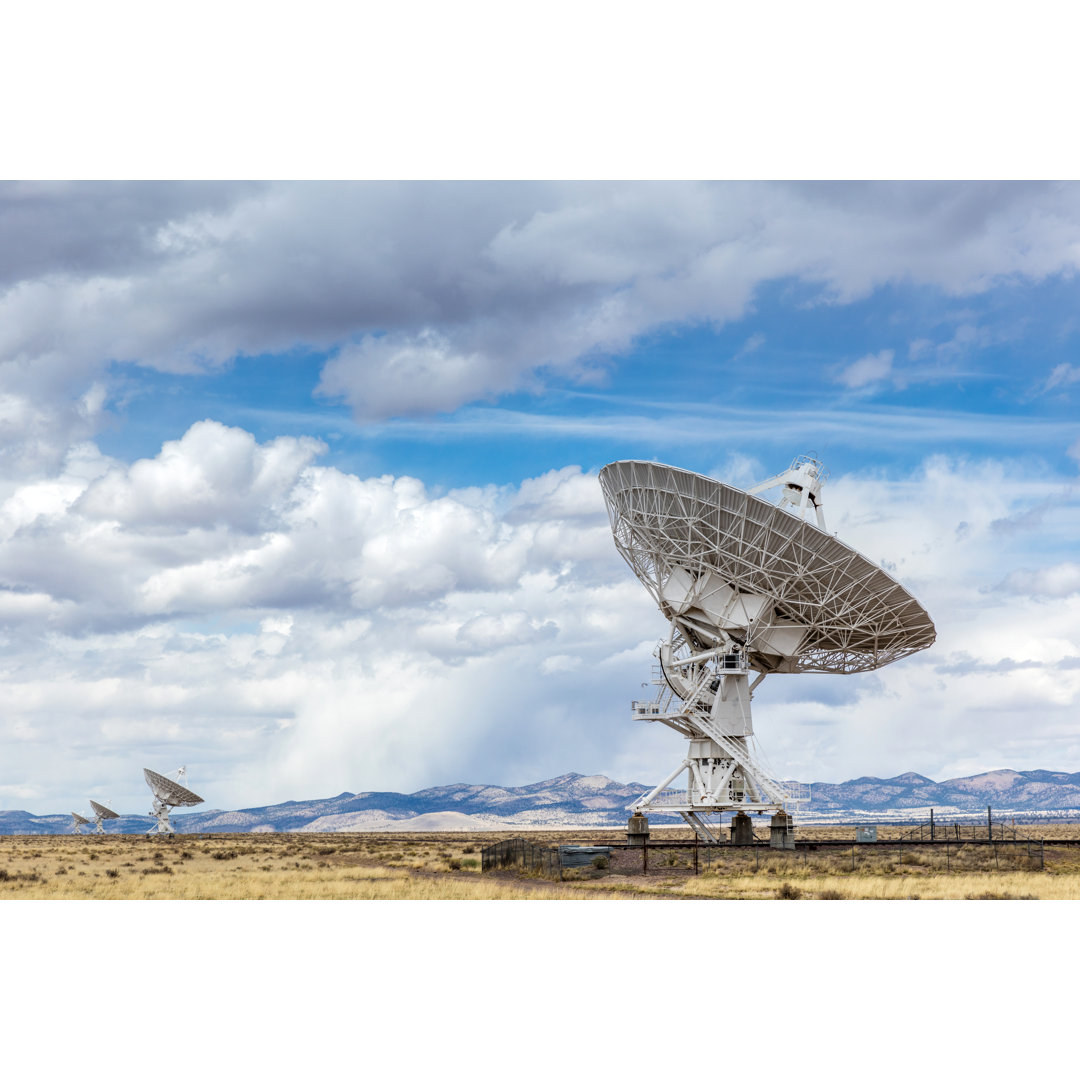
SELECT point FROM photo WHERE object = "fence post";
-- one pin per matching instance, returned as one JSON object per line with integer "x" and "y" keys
{"x": 695, "y": 854}
{"x": 645, "y": 856}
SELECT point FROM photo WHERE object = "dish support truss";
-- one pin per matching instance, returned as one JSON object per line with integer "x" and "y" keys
{"x": 100, "y": 817}
{"x": 706, "y": 697}
{"x": 160, "y": 813}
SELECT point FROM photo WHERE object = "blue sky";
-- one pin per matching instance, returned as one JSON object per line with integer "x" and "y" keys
{"x": 300, "y": 479}
{"x": 965, "y": 375}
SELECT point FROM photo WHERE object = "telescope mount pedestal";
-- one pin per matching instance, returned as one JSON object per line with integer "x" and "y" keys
{"x": 706, "y": 698}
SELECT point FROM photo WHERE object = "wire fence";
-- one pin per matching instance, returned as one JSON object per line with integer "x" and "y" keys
{"x": 946, "y": 852}
{"x": 532, "y": 858}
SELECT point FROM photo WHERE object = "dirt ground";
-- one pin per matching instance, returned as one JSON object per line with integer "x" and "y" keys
{"x": 448, "y": 866}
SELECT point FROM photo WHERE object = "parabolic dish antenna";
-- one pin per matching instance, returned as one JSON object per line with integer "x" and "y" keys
{"x": 77, "y": 822}
{"x": 101, "y": 815}
{"x": 747, "y": 586}
{"x": 167, "y": 794}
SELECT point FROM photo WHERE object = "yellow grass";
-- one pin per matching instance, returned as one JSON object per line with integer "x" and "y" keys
{"x": 364, "y": 866}
{"x": 1005, "y": 886}
{"x": 246, "y": 867}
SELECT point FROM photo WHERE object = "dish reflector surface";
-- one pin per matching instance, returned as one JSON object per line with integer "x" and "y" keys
{"x": 79, "y": 819}
{"x": 103, "y": 811}
{"x": 169, "y": 791}
{"x": 730, "y": 566}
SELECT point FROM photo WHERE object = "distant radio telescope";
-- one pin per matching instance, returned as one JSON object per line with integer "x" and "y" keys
{"x": 101, "y": 815}
{"x": 749, "y": 588}
{"x": 77, "y": 822}
{"x": 167, "y": 794}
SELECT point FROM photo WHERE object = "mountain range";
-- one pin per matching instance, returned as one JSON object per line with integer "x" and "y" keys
{"x": 576, "y": 801}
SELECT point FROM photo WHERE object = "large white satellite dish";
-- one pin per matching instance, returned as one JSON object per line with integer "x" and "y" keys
{"x": 101, "y": 815}
{"x": 747, "y": 586}
{"x": 167, "y": 794}
{"x": 77, "y": 822}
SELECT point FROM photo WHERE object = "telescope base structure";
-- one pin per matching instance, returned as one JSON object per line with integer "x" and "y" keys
{"x": 161, "y": 825}
{"x": 720, "y": 771}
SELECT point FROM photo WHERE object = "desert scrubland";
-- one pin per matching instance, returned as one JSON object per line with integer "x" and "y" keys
{"x": 402, "y": 866}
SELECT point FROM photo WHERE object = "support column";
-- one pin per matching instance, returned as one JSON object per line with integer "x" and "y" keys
{"x": 742, "y": 829}
{"x": 782, "y": 832}
{"x": 637, "y": 830}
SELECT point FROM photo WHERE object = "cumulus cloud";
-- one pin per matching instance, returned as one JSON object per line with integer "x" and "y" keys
{"x": 288, "y": 629}
{"x": 428, "y": 295}
{"x": 215, "y": 475}
{"x": 230, "y": 600}
{"x": 411, "y": 374}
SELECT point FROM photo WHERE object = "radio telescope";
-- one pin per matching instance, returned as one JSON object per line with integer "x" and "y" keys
{"x": 749, "y": 588}
{"x": 101, "y": 815}
{"x": 77, "y": 822}
{"x": 167, "y": 794}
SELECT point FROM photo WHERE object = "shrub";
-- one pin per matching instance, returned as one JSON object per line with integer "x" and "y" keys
{"x": 112, "y": 873}
{"x": 787, "y": 891}
{"x": 831, "y": 894}
{"x": 600, "y": 862}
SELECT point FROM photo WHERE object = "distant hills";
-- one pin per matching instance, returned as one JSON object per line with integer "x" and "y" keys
{"x": 576, "y": 801}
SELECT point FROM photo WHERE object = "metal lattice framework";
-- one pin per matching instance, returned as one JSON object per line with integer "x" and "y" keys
{"x": 77, "y": 822}
{"x": 167, "y": 794}
{"x": 747, "y": 586}
{"x": 668, "y": 522}
{"x": 101, "y": 815}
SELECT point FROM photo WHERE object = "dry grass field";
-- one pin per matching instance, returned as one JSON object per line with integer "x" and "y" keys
{"x": 403, "y": 866}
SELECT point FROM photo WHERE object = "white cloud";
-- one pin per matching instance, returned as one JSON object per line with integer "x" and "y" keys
{"x": 751, "y": 345}
{"x": 225, "y": 601}
{"x": 1063, "y": 375}
{"x": 411, "y": 374}
{"x": 289, "y": 630}
{"x": 431, "y": 295}
{"x": 872, "y": 368}
{"x": 1062, "y": 579}
{"x": 214, "y": 475}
